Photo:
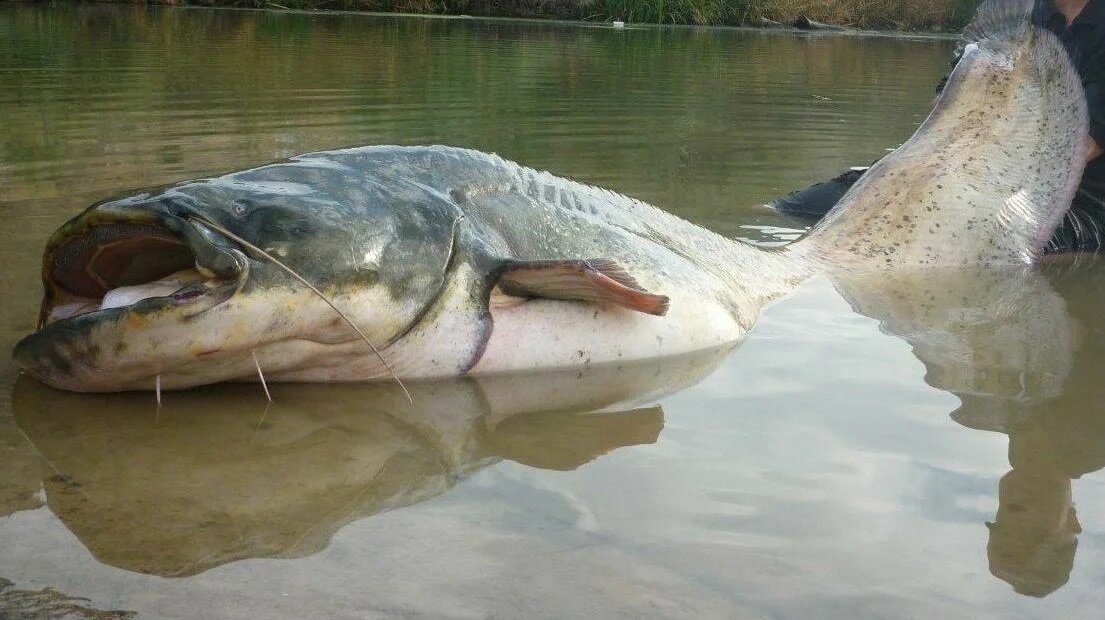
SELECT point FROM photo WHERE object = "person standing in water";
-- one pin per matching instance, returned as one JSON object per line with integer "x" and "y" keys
{"x": 1080, "y": 25}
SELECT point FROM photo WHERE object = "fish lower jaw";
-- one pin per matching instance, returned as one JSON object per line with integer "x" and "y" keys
{"x": 180, "y": 288}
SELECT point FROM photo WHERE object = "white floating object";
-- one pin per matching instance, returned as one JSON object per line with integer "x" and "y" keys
{"x": 619, "y": 24}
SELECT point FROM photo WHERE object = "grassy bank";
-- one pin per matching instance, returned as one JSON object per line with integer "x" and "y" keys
{"x": 869, "y": 14}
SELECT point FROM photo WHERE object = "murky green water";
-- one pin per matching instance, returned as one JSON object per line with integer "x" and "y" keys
{"x": 861, "y": 455}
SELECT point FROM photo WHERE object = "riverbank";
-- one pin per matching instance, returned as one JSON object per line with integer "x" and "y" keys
{"x": 906, "y": 15}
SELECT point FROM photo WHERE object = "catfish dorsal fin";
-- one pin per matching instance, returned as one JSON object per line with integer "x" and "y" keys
{"x": 593, "y": 280}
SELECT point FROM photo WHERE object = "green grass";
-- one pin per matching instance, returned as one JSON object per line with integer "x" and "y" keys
{"x": 876, "y": 14}
{"x": 676, "y": 11}
{"x": 873, "y": 14}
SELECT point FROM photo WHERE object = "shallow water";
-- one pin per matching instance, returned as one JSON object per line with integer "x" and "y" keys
{"x": 843, "y": 463}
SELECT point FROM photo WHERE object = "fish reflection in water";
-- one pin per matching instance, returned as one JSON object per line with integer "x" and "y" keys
{"x": 49, "y": 603}
{"x": 215, "y": 477}
{"x": 1022, "y": 350}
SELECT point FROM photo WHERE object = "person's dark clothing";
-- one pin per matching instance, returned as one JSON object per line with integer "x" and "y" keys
{"x": 1083, "y": 228}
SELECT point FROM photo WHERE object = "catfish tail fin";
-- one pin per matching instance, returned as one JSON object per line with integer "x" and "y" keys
{"x": 988, "y": 176}
{"x": 995, "y": 19}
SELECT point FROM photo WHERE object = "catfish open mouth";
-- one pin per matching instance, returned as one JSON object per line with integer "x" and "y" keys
{"x": 96, "y": 267}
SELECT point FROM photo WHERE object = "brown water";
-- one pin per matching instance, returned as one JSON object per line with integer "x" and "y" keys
{"x": 843, "y": 463}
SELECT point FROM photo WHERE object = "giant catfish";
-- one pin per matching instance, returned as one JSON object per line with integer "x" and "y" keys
{"x": 452, "y": 262}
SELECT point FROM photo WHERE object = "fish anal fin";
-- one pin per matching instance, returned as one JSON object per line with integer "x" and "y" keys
{"x": 595, "y": 280}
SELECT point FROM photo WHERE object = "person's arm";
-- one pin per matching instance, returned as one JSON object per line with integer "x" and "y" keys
{"x": 1093, "y": 83}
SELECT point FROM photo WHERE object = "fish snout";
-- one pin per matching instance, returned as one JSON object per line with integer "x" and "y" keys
{"x": 61, "y": 360}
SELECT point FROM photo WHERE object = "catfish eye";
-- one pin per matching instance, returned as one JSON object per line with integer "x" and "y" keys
{"x": 239, "y": 208}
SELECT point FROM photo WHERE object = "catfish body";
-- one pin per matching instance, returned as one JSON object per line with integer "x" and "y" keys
{"x": 451, "y": 262}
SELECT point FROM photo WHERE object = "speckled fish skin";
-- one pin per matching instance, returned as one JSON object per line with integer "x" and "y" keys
{"x": 988, "y": 176}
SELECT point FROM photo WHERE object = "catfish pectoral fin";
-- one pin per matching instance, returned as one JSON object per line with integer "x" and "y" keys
{"x": 595, "y": 280}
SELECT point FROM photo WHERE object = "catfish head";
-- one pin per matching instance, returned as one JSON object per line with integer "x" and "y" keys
{"x": 191, "y": 284}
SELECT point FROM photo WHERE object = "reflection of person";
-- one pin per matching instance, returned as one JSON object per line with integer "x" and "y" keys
{"x": 1051, "y": 441}
{"x": 1024, "y": 352}
{"x": 1034, "y": 536}
{"x": 1080, "y": 25}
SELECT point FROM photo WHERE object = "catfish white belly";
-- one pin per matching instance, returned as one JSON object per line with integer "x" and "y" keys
{"x": 571, "y": 335}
